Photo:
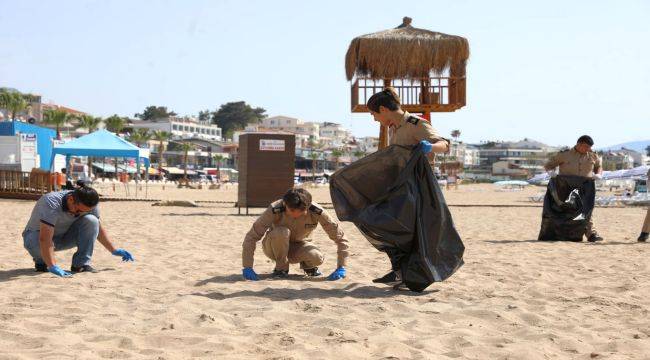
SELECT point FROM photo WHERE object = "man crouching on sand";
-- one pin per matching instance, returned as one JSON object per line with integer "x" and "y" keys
{"x": 286, "y": 225}
{"x": 62, "y": 220}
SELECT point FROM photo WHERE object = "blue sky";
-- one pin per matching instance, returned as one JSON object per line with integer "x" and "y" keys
{"x": 549, "y": 70}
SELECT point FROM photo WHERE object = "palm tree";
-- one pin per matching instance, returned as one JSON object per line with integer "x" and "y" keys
{"x": 140, "y": 136}
{"x": 336, "y": 154}
{"x": 359, "y": 154}
{"x": 186, "y": 147}
{"x": 455, "y": 134}
{"x": 313, "y": 156}
{"x": 114, "y": 124}
{"x": 161, "y": 137}
{"x": 14, "y": 102}
{"x": 57, "y": 118}
{"x": 90, "y": 123}
{"x": 218, "y": 158}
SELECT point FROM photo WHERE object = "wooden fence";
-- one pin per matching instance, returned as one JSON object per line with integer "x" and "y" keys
{"x": 25, "y": 185}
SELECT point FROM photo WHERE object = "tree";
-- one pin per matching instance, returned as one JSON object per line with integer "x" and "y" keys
{"x": 140, "y": 136}
{"x": 336, "y": 154}
{"x": 455, "y": 134}
{"x": 155, "y": 112}
{"x": 313, "y": 156}
{"x": 205, "y": 115}
{"x": 359, "y": 154}
{"x": 186, "y": 148}
{"x": 235, "y": 116}
{"x": 218, "y": 158}
{"x": 161, "y": 137}
{"x": 115, "y": 123}
{"x": 90, "y": 123}
{"x": 57, "y": 118}
{"x": 647, "y": 150}
{"x": 13, "y": 101}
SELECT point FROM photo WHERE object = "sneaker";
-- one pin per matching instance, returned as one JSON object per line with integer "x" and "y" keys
{"x": 643, "y": 237}
{"x": 313, "y": 272}
{"x": 392, "y": 278}
{"x": 280, "y": 274}
{"x": 83, "y": 268}
{"x": 40, "y": 267}
{"x": 595, "y": 238}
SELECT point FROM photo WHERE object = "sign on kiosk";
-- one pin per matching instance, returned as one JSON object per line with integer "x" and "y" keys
{"x": 271, "y": 145}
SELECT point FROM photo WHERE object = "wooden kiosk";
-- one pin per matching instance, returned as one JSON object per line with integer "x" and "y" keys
{"x": 426, "y": 68}
{"x": 266, "y": 168}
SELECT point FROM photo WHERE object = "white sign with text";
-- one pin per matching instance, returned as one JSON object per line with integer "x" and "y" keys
{"x": 271, "y": 145}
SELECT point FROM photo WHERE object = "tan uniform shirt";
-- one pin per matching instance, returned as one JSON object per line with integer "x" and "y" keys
{"x": 571, "y": 162}
{"x": 300, "y": 229}
{"x": 413, "y": 129}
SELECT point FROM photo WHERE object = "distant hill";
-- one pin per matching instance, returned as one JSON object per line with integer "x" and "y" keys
{"x": 632, "y": 145}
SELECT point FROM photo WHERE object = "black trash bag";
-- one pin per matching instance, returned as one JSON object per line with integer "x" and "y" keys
{"x": 393, "y": 198}
{"x": 568, "y": 205}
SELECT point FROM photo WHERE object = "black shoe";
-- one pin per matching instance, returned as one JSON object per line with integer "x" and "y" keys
{"x": 595, "y": 238}
{"x": 392, "y": 278}
{"x": 280, "y": 274}
{"x": 643, "y": 237}
{"x": 313, "y": 272}
{"x": 40, "y": 267}
{"x": 83, "y": 268}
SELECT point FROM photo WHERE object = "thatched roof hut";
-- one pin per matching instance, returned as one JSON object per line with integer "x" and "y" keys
{"x": 406, "y": 53}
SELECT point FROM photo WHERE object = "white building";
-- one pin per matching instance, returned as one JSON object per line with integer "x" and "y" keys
{"x": 304, "y": 131}
{"x": 336, "y": 132}
{"x": 182, "y": 127}
{"x": 368, "y": 144}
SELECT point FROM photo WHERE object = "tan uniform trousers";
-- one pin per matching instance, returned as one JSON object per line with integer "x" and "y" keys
{"x": 590, "y": 227}
{"x": 278, "y": 247}
{"x": 646, "y": 223}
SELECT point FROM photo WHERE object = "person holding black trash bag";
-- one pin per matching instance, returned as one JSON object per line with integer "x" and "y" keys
{"x": 408, "y": 130}
{"x": 579, "y": 161}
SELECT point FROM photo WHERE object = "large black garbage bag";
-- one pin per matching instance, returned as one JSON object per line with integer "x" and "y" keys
{"x": 568, "y": 205}
{"x": 393, "y": 198}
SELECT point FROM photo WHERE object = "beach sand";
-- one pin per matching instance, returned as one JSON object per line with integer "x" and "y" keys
{"x": 515, "y": 298}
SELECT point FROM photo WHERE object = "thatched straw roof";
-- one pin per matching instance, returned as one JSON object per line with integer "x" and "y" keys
{"x": 405, "y": 52}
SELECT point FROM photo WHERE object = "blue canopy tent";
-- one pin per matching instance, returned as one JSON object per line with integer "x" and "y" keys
{"x": 102, "y": 143}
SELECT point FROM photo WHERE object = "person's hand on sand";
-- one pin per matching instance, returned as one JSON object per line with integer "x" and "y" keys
{"x": 425, "y": 146}
{"x": 337, "y": 274}
{"x": 56, "y": 270}
{"x": 250, "y": 274}
{"x": 126, "y": 256}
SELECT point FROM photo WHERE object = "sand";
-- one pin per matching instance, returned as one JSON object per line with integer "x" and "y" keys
{"x": 515, "y": 298}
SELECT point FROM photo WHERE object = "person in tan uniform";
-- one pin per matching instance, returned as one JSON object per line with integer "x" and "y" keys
{"x": 406, "y": 130}
{"x": 579, "y": 161}
{"x": 286, "y": 226}
{"x": 645, "y": 230}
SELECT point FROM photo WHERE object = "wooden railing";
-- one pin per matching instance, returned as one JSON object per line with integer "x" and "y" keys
{"x": 25, "y": 185}
{"x": 435, "y": 94}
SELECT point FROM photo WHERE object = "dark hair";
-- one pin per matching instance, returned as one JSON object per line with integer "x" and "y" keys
{"x": 299, "y": 199}
{"x": 85, "y": 195}
{"x": 586, "y": 139}
{"x": 387, "y": 98}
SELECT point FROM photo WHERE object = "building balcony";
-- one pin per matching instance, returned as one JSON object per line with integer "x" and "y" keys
{"x": 435, "y": 94}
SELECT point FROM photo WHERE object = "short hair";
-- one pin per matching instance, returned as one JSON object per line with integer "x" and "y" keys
{"x": 85, "y": 195}
{"x": 387, "y": 98}
{"x": 586, "y": 139}
{"x": 299, "y": 199}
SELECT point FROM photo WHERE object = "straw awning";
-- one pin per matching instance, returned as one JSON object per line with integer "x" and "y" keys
{"x": 406, "y": 53}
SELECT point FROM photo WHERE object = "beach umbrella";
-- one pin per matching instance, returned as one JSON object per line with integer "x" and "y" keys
{"x": 406, "y": 52}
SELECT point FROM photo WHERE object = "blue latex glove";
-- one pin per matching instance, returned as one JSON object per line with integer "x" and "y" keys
{"x": 56, "y": 270}
{"x": 249, "y": 274}
{"x": 337, "y": 274}
{"x": 425, "y": 146}
{"x": 126, "y": 256}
